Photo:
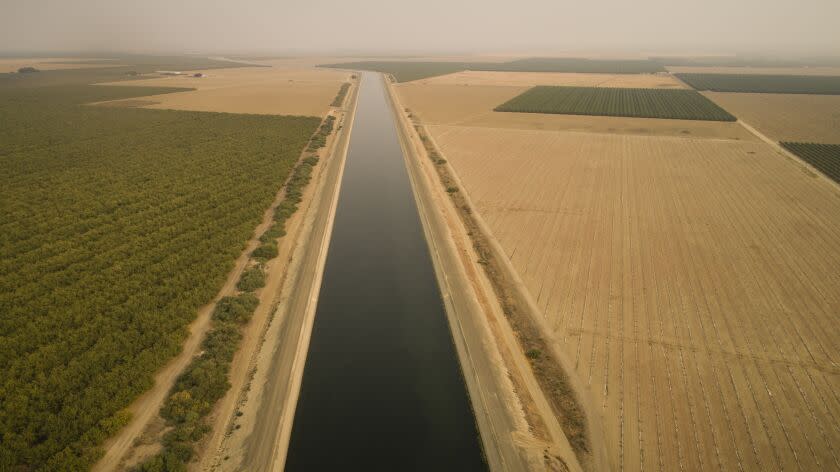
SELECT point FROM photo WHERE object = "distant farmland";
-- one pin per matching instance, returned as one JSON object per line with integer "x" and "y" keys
{"x": 406, "y": 71}
{"x": 638, "y": 103}
{"x": 578, "y": 65}
{"x": 825, "y": 157}
{"x": 750, "y": 83}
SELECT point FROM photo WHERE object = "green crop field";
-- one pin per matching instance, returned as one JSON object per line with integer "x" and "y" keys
{"x": 825, "y": 157}
{"x": 406, "y": 71}
{"x": 749, "y": 83}
{"x": 116, "y": 224}
{"x": 639, "y": 103}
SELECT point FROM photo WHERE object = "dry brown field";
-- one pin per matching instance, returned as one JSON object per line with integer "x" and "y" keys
{"x": 259, "y": 90}
{"x": 786, "y": 117}
{"x": 755, "y": 70}
{"x": 530, "y": 79}
{"x": 473, "y": 106}
{"x": 46, "y": 63}
{"x": 691, "y": 279}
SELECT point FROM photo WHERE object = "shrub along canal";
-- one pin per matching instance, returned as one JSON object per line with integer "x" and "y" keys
{"x": 382, "y": 388}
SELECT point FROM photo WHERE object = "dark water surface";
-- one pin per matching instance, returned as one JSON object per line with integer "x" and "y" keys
{"x": 382, "y": 387}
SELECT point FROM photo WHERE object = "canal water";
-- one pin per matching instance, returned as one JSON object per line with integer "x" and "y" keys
{"x": 382, "y": 387}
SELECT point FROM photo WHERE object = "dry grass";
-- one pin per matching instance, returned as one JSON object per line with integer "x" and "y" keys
{"x": 786, "y": 117}
{"x": 692, "y": 282}
{"x": 530, "y": 79}
{"x": 473, "y": 106}
{"x": 258, "y": 90}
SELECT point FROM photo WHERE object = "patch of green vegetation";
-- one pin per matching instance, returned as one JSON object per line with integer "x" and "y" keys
{"x": 265, "y": 252}
{"x": 320, "y": 139}
{"x": 252, "y": 279}
{"x": 824, "y": 157}
{"x": 236, "y": 309}
{"x": 342, "y": 92}
{"x": 116, "y": 225}
{"x": 533, "y": 353}
{"x": 640, "y": 103}
{"x": 753, "y": 83}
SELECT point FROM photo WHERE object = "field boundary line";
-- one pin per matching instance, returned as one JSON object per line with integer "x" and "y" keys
{"x": 784, "y": 152}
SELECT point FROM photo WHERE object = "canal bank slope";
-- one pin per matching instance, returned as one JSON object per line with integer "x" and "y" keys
{"x": 518, "y": 427}
{"x": 255, "y": 421}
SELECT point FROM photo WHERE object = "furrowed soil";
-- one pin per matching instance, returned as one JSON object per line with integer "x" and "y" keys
{"x": 692, "y": 282}
{"x": 786, "y": 117}
{"x": 689, "y": 277}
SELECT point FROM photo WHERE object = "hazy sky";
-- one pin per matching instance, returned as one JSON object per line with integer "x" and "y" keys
{"x": 421, "y": 25}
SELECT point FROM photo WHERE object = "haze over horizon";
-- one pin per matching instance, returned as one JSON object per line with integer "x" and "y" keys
{"x": 649, "y": 26}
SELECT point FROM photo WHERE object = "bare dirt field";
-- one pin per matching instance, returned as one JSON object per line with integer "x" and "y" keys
{"x": 279, "y": 90}
{"x": 786, "y": 117}
{"x": 755, "y": 70}
{"x": 692, "y": 282}
{"x": 48, "y": 63}
{"x": 473, "y": 106}
{"x": 530, "y": 79}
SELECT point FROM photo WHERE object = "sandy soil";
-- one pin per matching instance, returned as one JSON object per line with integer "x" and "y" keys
{"x": 786, "y": 117}
{"x": 278, "y": 90}
{"x": 48, "y": 63}
{"x": 692, "y": 281}
{"x": 530, "y": 79}
{"x": 756, "y": 70}
{"x": 473, "y": 106}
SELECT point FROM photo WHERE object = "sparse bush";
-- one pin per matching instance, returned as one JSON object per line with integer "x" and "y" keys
{"x": 236, "y": 308}
{"x": 266, "y": 251}
{"x": 342, "y": 92}
{"x": 252, "y": 279}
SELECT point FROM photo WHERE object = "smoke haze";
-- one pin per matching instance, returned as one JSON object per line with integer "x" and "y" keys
{"x": 495, "y": 26}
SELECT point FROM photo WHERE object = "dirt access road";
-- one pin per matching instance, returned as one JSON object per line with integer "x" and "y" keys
{"x": 505, "y": 395}
{"x": 264, "y": 429}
